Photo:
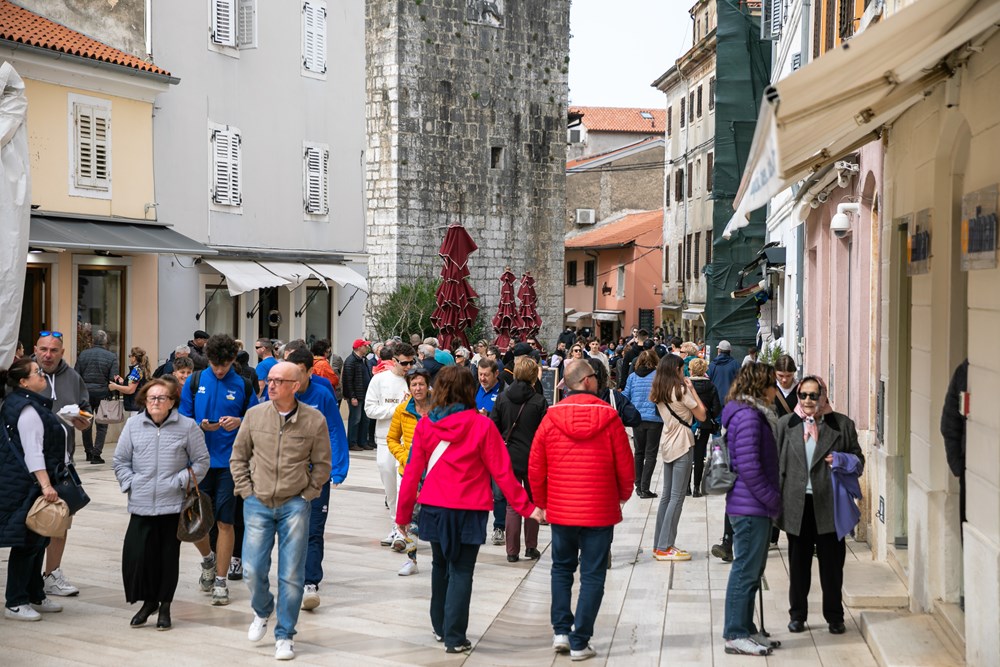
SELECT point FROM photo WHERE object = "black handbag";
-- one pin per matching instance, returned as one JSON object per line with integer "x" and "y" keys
{"x": 196, "y": 517}
{"x": 67, "y": 484}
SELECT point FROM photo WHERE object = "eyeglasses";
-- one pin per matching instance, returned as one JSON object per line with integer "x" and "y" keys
{"x": 258, "y": 347}
{"x": 405, "y": 363}
{"x": 278, "y": 381}
{"x": 39, "y": 372}
{"x": 158, "y": 399}
{"x": 812, "y": 396}
{"x": 576, "y": 349}
{"x": 46, "y": 334}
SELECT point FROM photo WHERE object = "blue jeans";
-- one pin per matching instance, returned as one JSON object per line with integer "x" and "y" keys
{"x": 589, "y": 547}
{"x": 317, "y": 526}
{"x": 499, "y": 507}
{"x": 451, "y": 592}
{"x": 357, "y": 423}
{"x": 751, "y": 535}
{"x": 290, "y": 522}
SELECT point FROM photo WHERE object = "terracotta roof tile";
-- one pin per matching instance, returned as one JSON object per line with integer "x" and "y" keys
{"x": 620, "y": 233}
{"x": 621, "y": 119}
{"x": 20, "y": 25}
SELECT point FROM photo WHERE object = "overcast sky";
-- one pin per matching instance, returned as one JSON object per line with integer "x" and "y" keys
{"x": 619, "y": 48}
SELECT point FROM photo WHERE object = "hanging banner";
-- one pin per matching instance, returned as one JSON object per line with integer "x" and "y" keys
{"x": 918, "y": 244}
{"x": 979, "y": 229}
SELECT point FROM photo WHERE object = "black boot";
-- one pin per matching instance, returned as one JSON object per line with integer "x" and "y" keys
{"x": 163, "y": 620}
{"x": 139, "y": 620}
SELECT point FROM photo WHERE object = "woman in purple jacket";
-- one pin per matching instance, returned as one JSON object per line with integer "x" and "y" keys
{"x": 752, "y": 503}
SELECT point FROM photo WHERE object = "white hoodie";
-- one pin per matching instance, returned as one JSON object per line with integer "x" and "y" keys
{"x": 385, "y": 392}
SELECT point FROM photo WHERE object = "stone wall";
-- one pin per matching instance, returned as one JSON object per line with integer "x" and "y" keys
{"x": 627, "y": 184}
{"x": 466, "y": 112}
{"x": 118, "y": 23}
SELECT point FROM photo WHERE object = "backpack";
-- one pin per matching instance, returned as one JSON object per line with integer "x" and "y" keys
{"x": 195, "y": 381}
{"x": 719, "y": 476}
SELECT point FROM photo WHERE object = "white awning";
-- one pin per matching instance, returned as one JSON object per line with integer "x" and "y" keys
{"x": 693, "y": 312}
{"x": 243, "y": 276}
{"x": 838, "y": 103}
{"x": 576, "y": 317}
{"x": 608, "y": 315}
{"x": 341, "y": 274}
{"x": 295, "y": 273}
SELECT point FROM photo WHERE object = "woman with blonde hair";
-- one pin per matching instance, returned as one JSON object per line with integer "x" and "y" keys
{"x": 138, "y": 374}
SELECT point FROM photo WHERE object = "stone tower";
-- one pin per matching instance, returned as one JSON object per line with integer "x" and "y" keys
{"x": 466, "y": 111}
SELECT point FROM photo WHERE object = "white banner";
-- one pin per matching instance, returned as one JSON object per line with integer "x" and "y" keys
{"x": 760, "y": 179}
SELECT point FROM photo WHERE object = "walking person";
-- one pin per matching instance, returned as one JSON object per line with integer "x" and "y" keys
{"x": 98, "y": 366}
{"x": 752, "y": 503}
{"x": 27, "y": 469}
{"x": 129, "y": 386}
{"x": 581, "y": 470}
{"x": 810, "y": 441}
{"x": 159, "y": 454}
{"x": 355, "y": 380}
{"x": 517, "y": 413}
{"x": 678, "y": 404}
{"x": 647, "y": 433}
{"x": 710, "y": 426}
{"x": 456, "y": 451}
{"x": 280, "y": 463}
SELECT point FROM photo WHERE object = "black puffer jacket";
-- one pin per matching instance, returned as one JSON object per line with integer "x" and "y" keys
{"x": 709, "y": 396}
{"x": 357, "y": 376}
{"x": 97, "y": 366}
{"x": 17, "y": 487}
{"x": 505, "y": 414}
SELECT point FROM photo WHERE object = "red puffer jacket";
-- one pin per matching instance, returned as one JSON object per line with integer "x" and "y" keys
{"x": 581, "y": 465}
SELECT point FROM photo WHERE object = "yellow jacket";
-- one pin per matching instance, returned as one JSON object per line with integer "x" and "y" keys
{"x": 400, "y": 436}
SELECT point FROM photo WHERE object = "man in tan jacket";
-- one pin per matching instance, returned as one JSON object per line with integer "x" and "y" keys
{"x": 287, "y": 446}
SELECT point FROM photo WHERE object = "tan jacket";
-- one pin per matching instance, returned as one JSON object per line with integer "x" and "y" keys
{"x": 276, "y": 460}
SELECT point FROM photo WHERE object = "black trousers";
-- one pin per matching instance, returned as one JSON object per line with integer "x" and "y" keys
{"x": 151, "y": 557}
{"x": 700, "y": 449}
{"x": 24, "y": 572}
{"x": 831, "y": 553}
{"x": 646, "y": 437}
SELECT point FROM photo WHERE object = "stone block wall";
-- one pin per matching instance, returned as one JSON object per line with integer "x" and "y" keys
{"x": 466, "y": 112}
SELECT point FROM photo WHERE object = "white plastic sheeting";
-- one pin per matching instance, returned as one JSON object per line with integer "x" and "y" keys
{"x": 15, "y": 207}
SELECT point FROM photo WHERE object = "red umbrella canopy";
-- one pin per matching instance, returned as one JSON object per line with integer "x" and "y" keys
{"x": 456, "y": 307}
{"x": 457, "y": 246}
{"x": 506, "y": 321}
{"x": 528, "y": 312}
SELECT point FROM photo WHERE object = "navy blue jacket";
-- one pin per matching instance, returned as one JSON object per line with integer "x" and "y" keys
{"x": 722, "y": 371}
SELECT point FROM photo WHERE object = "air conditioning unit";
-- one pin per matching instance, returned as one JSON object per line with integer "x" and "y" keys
{"x": 585, "y": 216}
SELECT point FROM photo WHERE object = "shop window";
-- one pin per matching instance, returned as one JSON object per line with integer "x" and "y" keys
{"x": 100, "y": 306}
{"x": 318, "y": 310}
{"x": 221, "y": 311}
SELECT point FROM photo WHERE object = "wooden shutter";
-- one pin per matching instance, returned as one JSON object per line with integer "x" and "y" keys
{"x": 317, "y": 166}
{"x": 670, "y": 120}
{"x": 690, "y": 181}
{"x": 708, "y": 246}
{"x": 699, "y": 101}
{"x": 93, "y": 149}
{"x": 314, "y": 36}
{"x": 683, "y": 107}
{"x": 711, "y": 93}
{"x": 697, "y": 252}
{"x": 224, "y": 22}
{"x": 709, "y": 176}
{"x": 680, "y": 264}
{"x": 247, "y": 24}
{"x": 227, "y": 168}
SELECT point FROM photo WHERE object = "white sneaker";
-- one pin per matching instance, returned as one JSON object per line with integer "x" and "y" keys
{"x": 399, "y": 543}
{"x": 22, "y": 613}
{"x": 582, "y": 654}
{"x": 560, "y": 643}
{"x": 56, "y": 584}
{"x": 310, "y": 597}
{"x": 284, "y": 649}
{"x": 47, "y": 606}
{"x": 258, "y": 628}
{"x": 389, "y": 539}
{"x": 409, "y": 567}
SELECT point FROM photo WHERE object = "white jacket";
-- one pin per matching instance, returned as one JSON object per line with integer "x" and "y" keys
{"x": 385, "y": 392}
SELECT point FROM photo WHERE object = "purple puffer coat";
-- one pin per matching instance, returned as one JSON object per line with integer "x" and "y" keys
{"x": 754, "y": 456}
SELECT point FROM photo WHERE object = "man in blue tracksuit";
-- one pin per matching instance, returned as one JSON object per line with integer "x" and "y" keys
{"x": 313, "y": 394}
{"x": 217, "y": 398}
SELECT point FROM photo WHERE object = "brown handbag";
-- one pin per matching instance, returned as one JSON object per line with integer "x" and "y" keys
{"x": 196, "y": 517}
{"x": 48, "y": 519}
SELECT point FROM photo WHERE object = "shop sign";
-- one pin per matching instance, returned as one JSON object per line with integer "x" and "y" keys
{"x": 979, "y": 229}
{"x": 918, "y": 244}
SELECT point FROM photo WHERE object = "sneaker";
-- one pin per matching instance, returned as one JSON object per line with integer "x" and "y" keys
{"x": 235, "y": 569}
{"x": 583, "y": 654}
{"x": 765, "y": 641}
{"x": 22, "y": 613}
{"x": 560, "y": 643}
{"x": 499, "y": 538}
{"x": 258, "y": 628}
{"x": 438, "y": 638}
{"x": 399, "y": 543}
{"x": 310, "y": 597}
{"x": 56, "y": 584}
{"x": 284, "y": 649}
{"x": 409, "y": 567}
{"x": 532, "y": 554}
{"x": 389, "y": 539}
{"x": 745, "y": 646}
{"x": 220, "y": 594}
{"x": 47, "y": 606}
{"x": 207, "y": 578}
{"x": 462, "y": 648}
{"x": 723, "y": 551}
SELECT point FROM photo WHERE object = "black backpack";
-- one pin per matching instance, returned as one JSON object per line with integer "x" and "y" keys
{"x": 195, "y": 381}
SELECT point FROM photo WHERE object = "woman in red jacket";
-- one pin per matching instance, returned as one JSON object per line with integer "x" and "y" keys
{"x": 456, "y": 451}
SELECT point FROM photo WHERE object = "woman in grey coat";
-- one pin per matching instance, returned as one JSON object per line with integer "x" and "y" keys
{"x": 156, "y": 449}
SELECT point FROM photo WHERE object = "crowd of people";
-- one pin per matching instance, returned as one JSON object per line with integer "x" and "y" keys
{"x": 457, "y": 433}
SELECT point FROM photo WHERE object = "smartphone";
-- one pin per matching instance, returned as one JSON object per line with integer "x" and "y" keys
{"x": 210, "y": 422}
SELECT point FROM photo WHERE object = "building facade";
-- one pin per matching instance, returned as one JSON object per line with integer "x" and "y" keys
{"x": 597, "y": 130}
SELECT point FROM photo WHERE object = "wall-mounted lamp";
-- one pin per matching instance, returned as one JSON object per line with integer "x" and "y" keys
{"x": 606, "y": 289}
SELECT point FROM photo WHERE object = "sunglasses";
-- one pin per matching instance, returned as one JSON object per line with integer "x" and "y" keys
{"x": 576, "y": 349}
{"x": 46, "y": 334}
{"x": 405, "y": 363}
{"x": 812, "y": 396}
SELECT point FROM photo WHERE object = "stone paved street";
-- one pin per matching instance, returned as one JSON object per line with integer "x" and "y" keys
{"x": 653, "y": 613}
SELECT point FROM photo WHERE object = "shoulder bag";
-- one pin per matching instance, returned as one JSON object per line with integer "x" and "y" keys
{"x": 196, "y": 517}
{"x": 111, "y": 410}
{"x": 719, "y": 476}
{"x": 67, "y": 484}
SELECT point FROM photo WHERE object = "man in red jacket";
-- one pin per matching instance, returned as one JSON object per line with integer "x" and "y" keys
{"x": 581, "y": 472}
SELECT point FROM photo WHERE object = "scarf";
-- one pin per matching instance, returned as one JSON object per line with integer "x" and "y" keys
{"x": 810, "y": 425}
{"x": 761, "y": 407}
{"x": 439, "y": 413}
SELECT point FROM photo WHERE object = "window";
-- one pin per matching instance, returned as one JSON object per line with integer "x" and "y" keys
{"x": 831, "y": 10}
{"x": 496, "y": 157}
{"x": 697, "y": 252}
{"x": 316, "y": 175}
{"x": 318, "y": 324}
{"x": 699, "y": 101}
{"x": 682, "y": 116}
{"x": 687, "y": 257}
{"x": 571, "y": 273}
{"x": 711, "y": 94}
{"x": 234, "y": 26}
{"x": 666, "y": 262}
{"x": 222, "y": 314}
{"x": 620, "y": 292}
{"x": 690, "y": 182}
{"x": 679, "y": 185}
{"x": 100, "y": 305}
{"x": 646, "y": 115}
{"x": 846, "y": 19}
{"x": 226, "y": 166}
{"x": 314, "y": 38}
{"x": 709, "y": 177}
{"x": 574, "y": 136}
{"x": 590, "y": 272}
{"x": 670, "y": 120}
{"x": 680, "y": 264}
{"x": 691, "y": 108}
{"x": 708, "y": 246}
{"x": 666, "y": 191}
{"x": 91, "y": 132}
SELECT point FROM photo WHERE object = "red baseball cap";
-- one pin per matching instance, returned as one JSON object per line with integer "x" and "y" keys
{"x": 360, "y": 342}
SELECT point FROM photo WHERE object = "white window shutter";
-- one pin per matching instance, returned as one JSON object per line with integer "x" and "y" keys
{"x": 776, "y": 18}
{"x": 247, "y": 24}
{"x": 93, "y": 146}
{"x": 102, "y": 147}
{"x": 236, "y": 160}
{"x": 227, "y": 176}
{"x": 314, "y": 36}
{"x": 317, "y": 174}
{"x": 224, "y": 22}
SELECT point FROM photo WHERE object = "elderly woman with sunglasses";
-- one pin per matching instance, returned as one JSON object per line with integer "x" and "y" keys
{"x": 817, "y": 449}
